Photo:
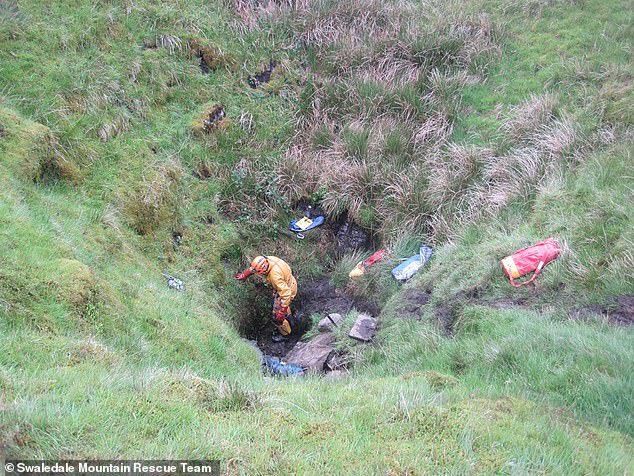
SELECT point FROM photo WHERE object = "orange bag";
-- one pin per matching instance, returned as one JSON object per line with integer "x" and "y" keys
{"x": 530, "y": 260}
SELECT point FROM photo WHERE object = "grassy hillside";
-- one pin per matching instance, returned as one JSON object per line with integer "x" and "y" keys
{"x": 479, "y": 127}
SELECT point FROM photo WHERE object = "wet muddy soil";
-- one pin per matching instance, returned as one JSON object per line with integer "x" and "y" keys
{"x": 413, "y": 304}
{"x": 263, "y": 76}
{"x": 213, "y": 118}
{"x": 350, "y": 237}
{"x": 504, "y": 303}
{"x": 411, "y": 307}
{"x": 619, "y": 313}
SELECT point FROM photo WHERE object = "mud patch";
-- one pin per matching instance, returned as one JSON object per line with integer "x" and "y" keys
{"x": 620, "y": 313}
{"x": 210, "y": 57}
{"x": 412, "y": 304}
{"x": 320, "y": 297}
{"x": 263, "y": 76}
{"x": 204, "y": 66}
{"x": 212, "y": 120}
{"x": 351, "y": 237}
{"x": 177, "y": 238}
{"x": 265, "y": 342}
{"x": 504, "y": 303}
{"x": 446, "y": 319}
{"x": 203, "y": 171}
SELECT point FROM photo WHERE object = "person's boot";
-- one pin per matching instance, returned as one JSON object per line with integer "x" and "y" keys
{"x": 277, "y": 337}
{"x": 282, "y": 332}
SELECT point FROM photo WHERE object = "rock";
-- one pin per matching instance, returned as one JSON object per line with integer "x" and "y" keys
{"x": 328, "y": 323}
{"x": 364, "y": 328}
{"x": 312, "y": 355}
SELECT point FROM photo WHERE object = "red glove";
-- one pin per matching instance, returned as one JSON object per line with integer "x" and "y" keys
{"x": 281, "y": 314}
{"x": 243, "y": 275}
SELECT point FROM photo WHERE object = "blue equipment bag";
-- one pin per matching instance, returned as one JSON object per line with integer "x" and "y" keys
{"x": 276, "y": 367}
{"x": 411, "y": 265}
{"x": 304, "y": 224}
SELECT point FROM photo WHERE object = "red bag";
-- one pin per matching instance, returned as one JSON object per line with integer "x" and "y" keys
{"x": 361, "y": 266}
{"x": 530, "y": 260}
{"x": 375, "y": 258}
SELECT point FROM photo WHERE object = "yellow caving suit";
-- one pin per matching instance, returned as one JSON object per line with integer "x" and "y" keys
{"x": 281, "y": 279}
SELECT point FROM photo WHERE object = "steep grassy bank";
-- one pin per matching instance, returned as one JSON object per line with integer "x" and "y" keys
{"x": 105, "y": 160}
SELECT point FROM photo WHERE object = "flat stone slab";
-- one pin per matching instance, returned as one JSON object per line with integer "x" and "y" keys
{"x": 313, "y": 354}
{"x": 328, "y": 323}
{"x": 364, "y": 328}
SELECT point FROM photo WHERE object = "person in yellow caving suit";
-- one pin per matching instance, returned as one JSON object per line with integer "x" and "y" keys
{"x": 279, "y": 275}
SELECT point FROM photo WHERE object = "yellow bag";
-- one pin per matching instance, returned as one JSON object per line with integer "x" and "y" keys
{"x": 358, "y": 270}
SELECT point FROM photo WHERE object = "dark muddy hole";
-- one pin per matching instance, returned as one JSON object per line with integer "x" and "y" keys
{"x": 619, "y": 313}
{"x": 213, "y": 118}
{"x": 412, "y": 305}
{"x": 347, "y": 236}
{"x": 263, "y": 76}
{"x": 204, "y": 67}
{"x": 203, "y": 171}
{"x": 316, "y": 298}
{"x": 351, "y": 237}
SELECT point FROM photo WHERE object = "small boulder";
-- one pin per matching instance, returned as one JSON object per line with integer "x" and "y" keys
{"x": 364, "y": 328}
{"x": 312, "y": 355}
{"x": 330, "y": 322}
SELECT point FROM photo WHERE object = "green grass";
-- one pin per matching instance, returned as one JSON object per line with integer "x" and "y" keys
{"x": 100, "y": 164}
{"x": 517, "y": 352}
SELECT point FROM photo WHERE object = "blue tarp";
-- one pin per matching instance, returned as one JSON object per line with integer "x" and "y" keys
{"x": 411, "y": 265}
{"x": 316, "y": 221}
{"x": 276, "y": 367}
